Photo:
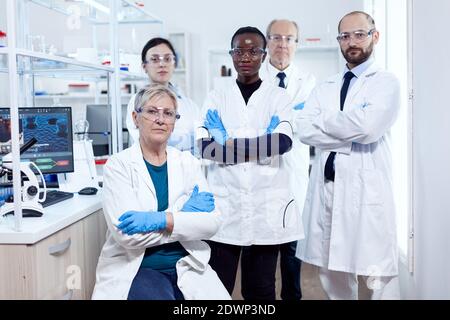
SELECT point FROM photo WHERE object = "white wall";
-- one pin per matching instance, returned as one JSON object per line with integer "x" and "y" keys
{"x": 431, "y": 153}
{"x": 212, "y": 23}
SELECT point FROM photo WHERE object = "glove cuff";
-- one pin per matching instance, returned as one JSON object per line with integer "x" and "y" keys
{"x": 162, "y": 220}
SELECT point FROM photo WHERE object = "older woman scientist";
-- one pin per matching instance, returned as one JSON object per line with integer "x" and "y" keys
{"x": 157, "y": 209}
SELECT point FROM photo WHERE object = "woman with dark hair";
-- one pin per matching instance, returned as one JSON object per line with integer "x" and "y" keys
{"x": 159, "y": 60}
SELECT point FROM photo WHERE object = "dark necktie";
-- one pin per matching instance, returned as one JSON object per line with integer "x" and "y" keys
{"x": 281, "y": 76}
{"x": 329, "y": 165}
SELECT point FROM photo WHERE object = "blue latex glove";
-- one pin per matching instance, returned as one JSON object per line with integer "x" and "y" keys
{"x": 300, "y": 106}
{"x": 274, "y": 121}
{"x": 199, "y": 202}
{"x": 215, "y": 126}
{"x": 142, "y": 222}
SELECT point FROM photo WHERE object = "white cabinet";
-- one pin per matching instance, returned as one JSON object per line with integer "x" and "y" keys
{"x": 94, "y": 231}
{"x": 61, "y": 266}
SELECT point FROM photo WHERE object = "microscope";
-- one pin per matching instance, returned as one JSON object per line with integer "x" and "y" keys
{"x": 31, "y": 202}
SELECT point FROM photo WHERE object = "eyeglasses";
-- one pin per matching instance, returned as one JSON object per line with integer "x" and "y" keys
{"x": 357, "y": 36}
{"x": 153, "y": 113}
{"x": 252, "y": 52}
{"x": 278, "y": 38}
{"x": 157, "y": 59}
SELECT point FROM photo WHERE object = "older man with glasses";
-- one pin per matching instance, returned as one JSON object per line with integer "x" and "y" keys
{"x": 281, "y": 70}
{"x": 350, "y": 210}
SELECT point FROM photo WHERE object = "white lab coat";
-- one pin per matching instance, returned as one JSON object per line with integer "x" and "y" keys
{"x": 363, "y": 229}
{"x": 254, "y": 198}
{"x": 299, "y": 88}
{"x": 128, "y": 186}
{"x": 182, "y": 136}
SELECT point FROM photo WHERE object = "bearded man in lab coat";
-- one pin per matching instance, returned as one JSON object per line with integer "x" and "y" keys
{"x": 349, "y": 212}
{"x": 281, "y": 71}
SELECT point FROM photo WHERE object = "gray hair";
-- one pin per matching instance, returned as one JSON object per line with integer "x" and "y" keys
{"x": 151, "y": 91}
{"x": 277, "y": 20}
{"x": 368, "y": 17}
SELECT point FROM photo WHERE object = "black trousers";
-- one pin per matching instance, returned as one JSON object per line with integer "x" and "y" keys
{"x": 290, "y": 267}
{"x": 258, "y": 267}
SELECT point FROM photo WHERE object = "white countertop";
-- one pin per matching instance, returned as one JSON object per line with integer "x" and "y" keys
{"x": 56, "y": 217}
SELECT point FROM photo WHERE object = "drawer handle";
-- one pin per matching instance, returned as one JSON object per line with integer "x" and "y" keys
{"x": 68, "y": 295}
{"x": 60, "y": 248}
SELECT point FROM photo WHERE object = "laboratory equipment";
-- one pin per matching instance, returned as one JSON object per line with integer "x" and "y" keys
{"x": 55, "y": 196}
{"x": 52, "y": 128}
{"x": 30, "y": 197}
{"x": 82, "y": 129}
{"x": 88, "y": 191}
{"x": 99, "y": 117}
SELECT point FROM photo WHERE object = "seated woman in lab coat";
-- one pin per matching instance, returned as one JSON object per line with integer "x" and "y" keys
{"x": 157, "y": 209}
{"x": 159, "y": 61}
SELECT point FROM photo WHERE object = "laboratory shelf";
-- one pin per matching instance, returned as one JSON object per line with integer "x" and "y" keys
{"x": 51, "y": 66}
{"x": 97, "y": 12}
{"x": 317, "y": 48}
{"x": 131, "y": 76}
{"x": 133, "y": 12}
{"x": 77, "y": 96}
{"x": 59, "y": 62}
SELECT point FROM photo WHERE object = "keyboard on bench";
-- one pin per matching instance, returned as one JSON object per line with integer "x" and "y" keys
{"x": 55, "y": 196}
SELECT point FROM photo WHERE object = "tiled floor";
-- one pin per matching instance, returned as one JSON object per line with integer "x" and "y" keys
{"x": 311, "y": 287}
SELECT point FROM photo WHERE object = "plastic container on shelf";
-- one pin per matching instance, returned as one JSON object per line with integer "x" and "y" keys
{"x": 313, "y": 42}
{"x": 2, "y": 39}
{"x": 78, "y": 88}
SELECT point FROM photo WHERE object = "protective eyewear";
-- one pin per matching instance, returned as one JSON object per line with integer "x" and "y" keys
{"x": 158, "y": 59}
{"x": 252, "y": 52}
{"x": 153, "y": 114}
{"x": 278, "y": 38}
{"x": 357, "y": 36}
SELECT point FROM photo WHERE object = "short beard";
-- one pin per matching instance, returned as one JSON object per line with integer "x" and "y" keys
{"x": 363, "y": 57}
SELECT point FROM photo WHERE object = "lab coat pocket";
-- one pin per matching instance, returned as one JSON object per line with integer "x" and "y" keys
{"x": 290, "y": 217}
{"x": 371, "y": 187}
{"x": 279, "y": 211}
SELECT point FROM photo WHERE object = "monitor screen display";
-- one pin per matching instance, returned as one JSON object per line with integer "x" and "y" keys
{"x": 52, "y": 128}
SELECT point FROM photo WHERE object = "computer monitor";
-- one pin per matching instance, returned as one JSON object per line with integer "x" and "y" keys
{"x": 52, "y": 128}
{"x": 99, "y": 117}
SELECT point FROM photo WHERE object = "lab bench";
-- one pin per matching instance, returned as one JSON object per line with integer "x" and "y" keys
{"x": 54, "y": 256}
